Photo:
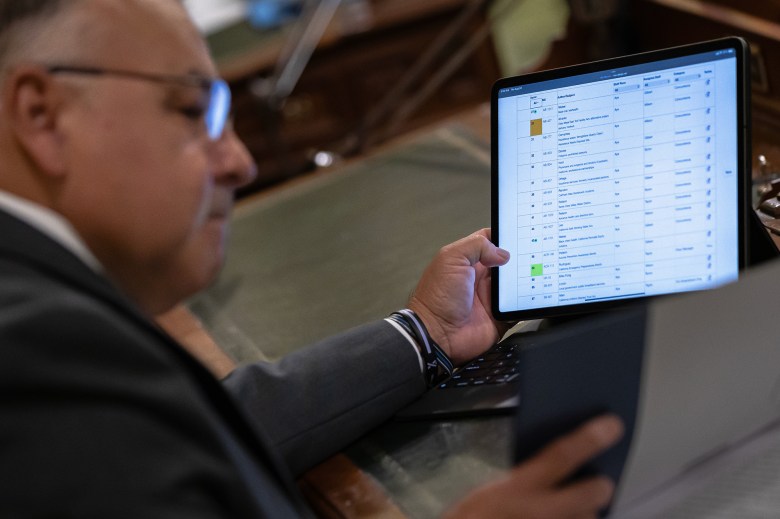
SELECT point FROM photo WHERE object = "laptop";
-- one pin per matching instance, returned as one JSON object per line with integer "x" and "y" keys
{"x": 695, "y": 379}
{"x": 612, "y": 182}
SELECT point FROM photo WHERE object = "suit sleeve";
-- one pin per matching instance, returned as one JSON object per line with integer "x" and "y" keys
{"x": 318, "y": 400}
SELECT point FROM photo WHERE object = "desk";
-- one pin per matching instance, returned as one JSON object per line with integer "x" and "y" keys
{"x": 334, "y": 250}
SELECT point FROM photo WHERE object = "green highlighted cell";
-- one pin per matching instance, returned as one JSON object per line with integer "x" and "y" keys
{"x": 536, "y": 269}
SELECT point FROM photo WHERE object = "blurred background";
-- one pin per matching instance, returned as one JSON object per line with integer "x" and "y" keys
{"x": 319, "y": 81}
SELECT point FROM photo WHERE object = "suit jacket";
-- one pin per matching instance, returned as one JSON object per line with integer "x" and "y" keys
{"x": 104, "y": 415}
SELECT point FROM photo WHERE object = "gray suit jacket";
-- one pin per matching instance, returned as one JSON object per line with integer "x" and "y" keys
{"x": 104, "y": 415}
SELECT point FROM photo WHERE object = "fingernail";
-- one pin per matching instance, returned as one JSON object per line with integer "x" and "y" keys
{"x": 504, "y": 254}
{"x": 609, "y": 429}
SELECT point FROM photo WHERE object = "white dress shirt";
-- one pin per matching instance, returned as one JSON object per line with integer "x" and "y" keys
{"x": 50, "y": 223}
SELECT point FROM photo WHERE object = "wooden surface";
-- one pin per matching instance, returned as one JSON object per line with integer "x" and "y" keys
{"x": 337, "y": 489}
{"x": 688, "y": 21}
{"x": 354, "y": 70}
{"x": 241, "y": 51}
{"x": 188, "y": 330}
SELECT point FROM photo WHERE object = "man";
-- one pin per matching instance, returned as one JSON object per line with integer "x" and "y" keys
{"x": 117, "y": 173}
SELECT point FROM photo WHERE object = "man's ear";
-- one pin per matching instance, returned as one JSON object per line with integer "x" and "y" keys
{"x": 32, "y": 102}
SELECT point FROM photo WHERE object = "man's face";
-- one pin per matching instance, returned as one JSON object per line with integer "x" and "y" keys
{"x": 200, "y": 259}
{"x": 144, "y": 182}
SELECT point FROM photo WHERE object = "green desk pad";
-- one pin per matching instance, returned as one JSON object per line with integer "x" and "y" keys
{"x": 344, "y": 247}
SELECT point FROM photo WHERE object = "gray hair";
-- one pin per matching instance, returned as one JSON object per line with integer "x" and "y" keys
{"x": 12, "y": 11}
{"x": 15, "y": 14}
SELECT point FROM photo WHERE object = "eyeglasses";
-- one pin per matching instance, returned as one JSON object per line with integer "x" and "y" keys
{"x": 218, "y": 90}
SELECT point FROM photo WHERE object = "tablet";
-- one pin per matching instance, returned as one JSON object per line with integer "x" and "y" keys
{"x": 620, "y": 179}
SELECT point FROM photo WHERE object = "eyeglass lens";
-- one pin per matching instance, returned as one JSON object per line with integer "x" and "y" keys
{"x": 219, "y": 108}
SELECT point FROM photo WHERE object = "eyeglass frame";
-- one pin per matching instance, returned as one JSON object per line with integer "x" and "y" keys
{"x": 218, "y": 110}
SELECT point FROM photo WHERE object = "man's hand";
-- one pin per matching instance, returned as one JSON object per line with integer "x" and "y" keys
{"x": 535, "y": 490}
{"x": 453, "y": 297}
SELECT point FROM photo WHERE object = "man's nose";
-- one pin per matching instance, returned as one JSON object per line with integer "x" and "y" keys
{"x": 233, "y": 163}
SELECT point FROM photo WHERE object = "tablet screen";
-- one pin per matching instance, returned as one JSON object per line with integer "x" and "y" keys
{"x": 619, "y": 179}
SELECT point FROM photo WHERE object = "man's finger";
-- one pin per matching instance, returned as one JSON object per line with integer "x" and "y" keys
{"x": 565, "y": 455}
{"x": 477, "y": 248}
{"x": 587, "y": 497}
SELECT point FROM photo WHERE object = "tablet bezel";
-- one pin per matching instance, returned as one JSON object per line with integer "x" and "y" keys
{"x": 743, "y": 154}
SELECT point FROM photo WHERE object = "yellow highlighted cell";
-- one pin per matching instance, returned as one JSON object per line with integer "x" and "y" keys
{"x": 536, "y": 127}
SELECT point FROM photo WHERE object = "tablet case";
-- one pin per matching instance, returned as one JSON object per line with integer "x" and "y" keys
{"x": 582, "y": 370}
